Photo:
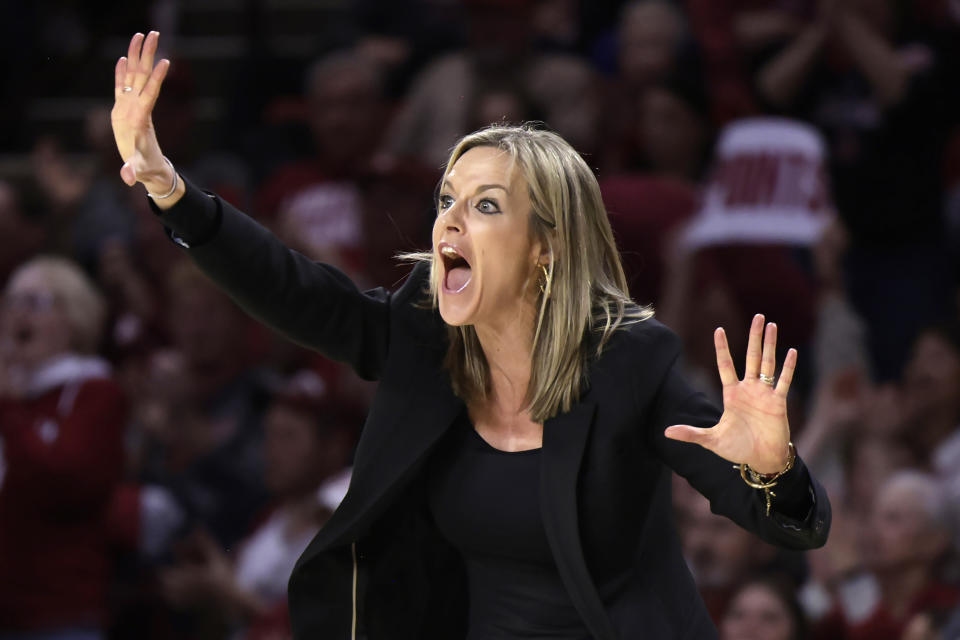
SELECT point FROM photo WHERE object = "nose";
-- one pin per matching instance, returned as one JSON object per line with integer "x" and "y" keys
{"x": 452, "y": 218}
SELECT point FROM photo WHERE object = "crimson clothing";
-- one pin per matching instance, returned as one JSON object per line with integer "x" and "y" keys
{"x": 881, "y": 624}
{"x": 644, "y": 212}
{"x": 63, "y": 448}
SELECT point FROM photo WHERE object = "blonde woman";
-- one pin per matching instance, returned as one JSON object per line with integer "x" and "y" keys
{"x": 61, "y": 434}
{"x": 513, "y": 477}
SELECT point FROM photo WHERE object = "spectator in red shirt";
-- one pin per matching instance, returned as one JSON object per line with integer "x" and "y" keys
{"x": 906, "y": 542}
{"x": 61, "y": 427}
{"x": 338, "y": 205}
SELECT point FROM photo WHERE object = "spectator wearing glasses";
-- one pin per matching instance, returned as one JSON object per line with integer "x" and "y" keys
{"x": 61, "y": 425}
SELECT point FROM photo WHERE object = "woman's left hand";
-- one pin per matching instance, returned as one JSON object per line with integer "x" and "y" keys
{"x": 753, "y": 427}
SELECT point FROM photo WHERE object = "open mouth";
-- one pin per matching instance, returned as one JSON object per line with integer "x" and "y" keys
{"x": 456, "y": 270}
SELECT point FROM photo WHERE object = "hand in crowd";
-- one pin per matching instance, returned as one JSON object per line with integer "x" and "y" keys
{"x": 839, "y": 404}
{"x": 753, "y": 427}
{"x": 206, "y": 577}
{"x": 842, "y": 556}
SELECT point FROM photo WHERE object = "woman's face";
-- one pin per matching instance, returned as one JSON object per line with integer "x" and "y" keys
{"x": 482, "y": 243}
{"x": 756, "y": 613}
{"x": 900, "y": 534}
{"x": 33, "y": 325}
{"x": 931, "y": 380}
{"x": 671, "y": 133}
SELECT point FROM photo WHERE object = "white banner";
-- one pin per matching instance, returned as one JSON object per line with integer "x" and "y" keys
{"x": 768, "y": 185}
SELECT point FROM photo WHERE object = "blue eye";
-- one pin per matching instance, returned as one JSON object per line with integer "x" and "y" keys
{"x": 444, "y": 202}
{"x": 488, "y": 206}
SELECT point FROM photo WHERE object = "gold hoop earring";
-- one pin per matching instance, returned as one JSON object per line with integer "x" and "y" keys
{"x": 545, "y": 284}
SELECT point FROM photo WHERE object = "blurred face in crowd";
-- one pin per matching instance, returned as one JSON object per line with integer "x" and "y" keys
{"x": 163, "y": 401}
{"x": 205, "y": 325}
{"x": 487, "y": 257}
{"x": 671, "y": 133}
{"x": 872, "y": 461}
{"x": 901, "y": 534}
{"x": 34, "y": 326}
{"x": 344, "y": 105}
{"x": 499, "y": 106}
{"x": 650, "y": 33}
{"x": 296, "y": 460}
{"x": 499, "y": 32}
{"x": 931, "y": 382}
{"x": 757, "y": 613}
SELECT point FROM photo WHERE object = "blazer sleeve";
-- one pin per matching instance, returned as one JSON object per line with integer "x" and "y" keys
{"x": 310, "y": 303}
{"x": 800, "y": 512}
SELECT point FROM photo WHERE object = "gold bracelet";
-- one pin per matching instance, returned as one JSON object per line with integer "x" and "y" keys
{"x": 756, "y": 480}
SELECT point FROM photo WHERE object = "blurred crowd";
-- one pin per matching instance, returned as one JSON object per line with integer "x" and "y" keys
{"x": 164, "y": 459}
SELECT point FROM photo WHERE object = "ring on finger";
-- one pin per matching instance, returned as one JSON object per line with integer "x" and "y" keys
{"x": 765, "y": 379}
{"x": 127, "y": 89}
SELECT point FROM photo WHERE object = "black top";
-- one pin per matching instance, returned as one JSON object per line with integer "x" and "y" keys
{"x": 486, "y": 503}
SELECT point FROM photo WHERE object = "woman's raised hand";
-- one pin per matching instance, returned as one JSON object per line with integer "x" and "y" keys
{"x": 753, "y": 427}
{"x": 136, "y": 87}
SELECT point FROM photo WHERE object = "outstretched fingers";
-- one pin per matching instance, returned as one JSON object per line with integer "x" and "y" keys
{"x": 686, "y": 433}
{"x": 145, "y": 65}
{"x": 786, "y": 374}
{"x": 152, "y": 89}
{"x": 728, "y": 372}
{"x": 768, "y": 362}
{"x": 752, "y": 368}
{"x": 133, "y": 59}
{"x": 119, "y": 73}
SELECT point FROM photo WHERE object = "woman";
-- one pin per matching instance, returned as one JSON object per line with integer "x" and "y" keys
{"x": 764, "y": 608}
{"x": 512, "y": 478}
{"x": 61, "y": 431}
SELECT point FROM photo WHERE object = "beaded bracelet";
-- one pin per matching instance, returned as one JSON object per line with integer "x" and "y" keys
{"x": 766, "y": 481}
{"x": 176, "y": 182}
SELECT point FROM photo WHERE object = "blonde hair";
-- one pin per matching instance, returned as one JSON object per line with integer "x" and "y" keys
{"x": 83, "y": 304}
{"x": 585, "y": 293}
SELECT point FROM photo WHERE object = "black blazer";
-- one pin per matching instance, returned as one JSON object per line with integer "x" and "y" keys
{"x": 378, "y": 569}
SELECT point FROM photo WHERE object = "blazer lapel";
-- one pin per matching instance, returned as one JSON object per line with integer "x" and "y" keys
{"x": 395, "y": 452}
{"x": 564, "y": 440}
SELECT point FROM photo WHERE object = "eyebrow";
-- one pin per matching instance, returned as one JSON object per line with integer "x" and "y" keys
{"x": 483, "y": 187}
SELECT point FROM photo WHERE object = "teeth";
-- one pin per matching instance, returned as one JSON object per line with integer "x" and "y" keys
{"x": 450, "y": 252}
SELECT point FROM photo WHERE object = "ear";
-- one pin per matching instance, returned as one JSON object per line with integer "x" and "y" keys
{"x": 546, "y": 251}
